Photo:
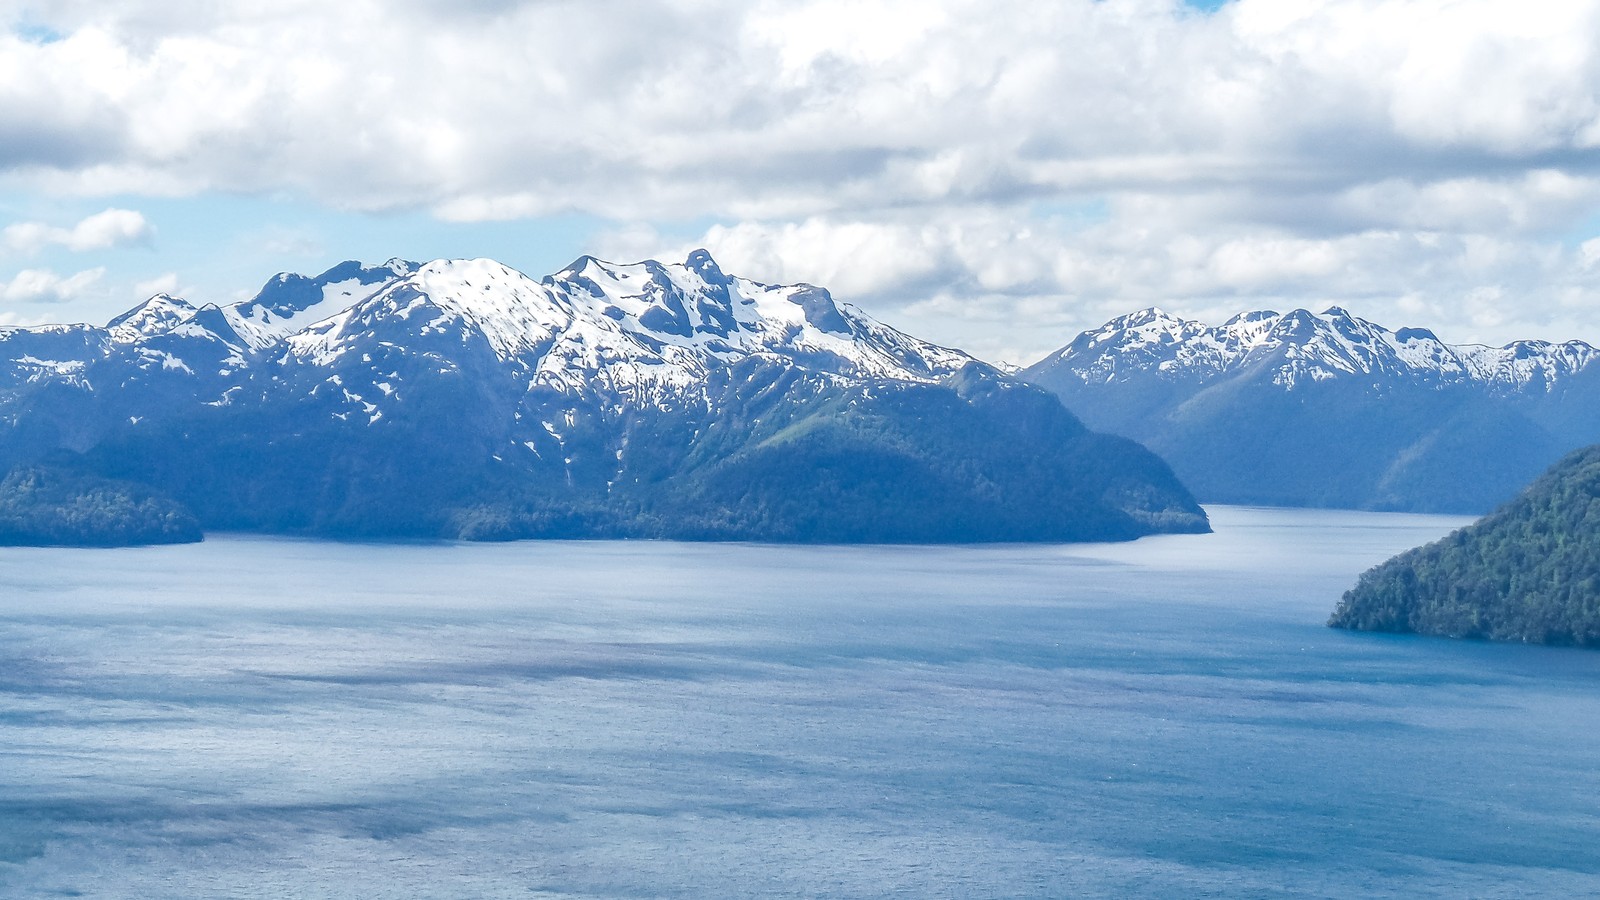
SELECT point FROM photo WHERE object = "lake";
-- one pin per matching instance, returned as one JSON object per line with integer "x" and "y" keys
{"x": 268, "y": 717}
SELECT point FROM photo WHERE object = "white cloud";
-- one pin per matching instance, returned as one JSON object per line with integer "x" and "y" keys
{"x": 1409, "y": 158}
{"x": 45, "y": 286}
{"x": 31, "y": 237}
{"x": 101, "y": 231}
{"x": 695, "y": 107}
{"x": 111, "y": 228}
{"x": 288, "y": 242}
{"x": 1006, "y": 292}
{"x": 166, "y": 283}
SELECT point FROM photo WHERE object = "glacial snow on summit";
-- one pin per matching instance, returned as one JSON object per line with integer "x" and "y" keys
{"x": 157, "y": 315}
{"x": 640, "y": 334}
{"x": 290, "y": 302}
{"x": 1301, "y": 346}
{"x": 634, "y": 329}
{"x": 1329, "y": 409}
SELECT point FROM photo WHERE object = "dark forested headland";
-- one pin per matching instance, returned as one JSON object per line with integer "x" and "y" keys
{"x": 1530, "y": 571}
{"x": 44, "y": 506}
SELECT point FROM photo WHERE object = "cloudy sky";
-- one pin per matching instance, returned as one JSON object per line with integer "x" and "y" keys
{"x": 994, "y": 177}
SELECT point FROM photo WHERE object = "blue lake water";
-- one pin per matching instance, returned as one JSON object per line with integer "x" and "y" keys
{"x": 256, "y": 717}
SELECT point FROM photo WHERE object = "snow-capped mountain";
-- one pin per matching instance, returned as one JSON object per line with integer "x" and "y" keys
{"x": 290, "y": 302}
{"x": 1302, "y": 346}
{"x": 1304, "y": 408}
{"x": 643, "y": 334}
{"x": 158, "y": 315}
{"x": 462, "y": 397}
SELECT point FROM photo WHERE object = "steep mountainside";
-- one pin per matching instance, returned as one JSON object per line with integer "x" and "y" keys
{"x": 1305, "y": 409}
{"x": 1529, "y": 572}
{"x": 463, "y": 398}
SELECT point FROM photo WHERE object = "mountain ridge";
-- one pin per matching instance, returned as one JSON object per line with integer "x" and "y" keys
{"x": 463, "y": 397}
{"x": 1314, "y": 345}
{"x": 1329, "y": 409}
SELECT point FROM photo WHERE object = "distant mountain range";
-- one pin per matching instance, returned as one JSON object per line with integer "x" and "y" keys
{"x": 464, "y": 399}
{"x": 1330, "y": 410}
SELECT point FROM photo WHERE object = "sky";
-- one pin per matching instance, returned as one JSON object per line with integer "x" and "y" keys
{"x": 992, "y": 177}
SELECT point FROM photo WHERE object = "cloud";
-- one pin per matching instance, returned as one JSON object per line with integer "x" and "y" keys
{"x": 166, "y": 283}
{"x": 101, "y": 231}
{"x": 45, "y": 286}
{"x": 969, "y": 278}
{"x": 1436, "y": 156}
{"x": 694, "y": 107}
{"x": 289, "y": 242}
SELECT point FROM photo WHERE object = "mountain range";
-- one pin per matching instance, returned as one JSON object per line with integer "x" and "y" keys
{"x": 1330, "y": 410}
{"x": 461, "y": 398}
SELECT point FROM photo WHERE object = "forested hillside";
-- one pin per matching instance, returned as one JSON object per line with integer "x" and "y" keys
{"x": 43, "y": 506}
{"x": 1530, "y": 571}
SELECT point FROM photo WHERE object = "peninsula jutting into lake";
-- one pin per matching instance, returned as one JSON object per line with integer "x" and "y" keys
{"x": 1528, "y": 572}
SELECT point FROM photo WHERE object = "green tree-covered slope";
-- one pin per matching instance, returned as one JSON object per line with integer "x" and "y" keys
{"x": 1530, "y": 571}
{"x": 44, "y": 506}
{"x": 777, "y": 458}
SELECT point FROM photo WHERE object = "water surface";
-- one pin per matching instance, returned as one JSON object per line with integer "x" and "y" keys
{"x": 262, "y": 717}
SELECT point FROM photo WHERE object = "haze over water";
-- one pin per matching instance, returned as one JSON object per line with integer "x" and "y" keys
{"x": 1168, "y": 717}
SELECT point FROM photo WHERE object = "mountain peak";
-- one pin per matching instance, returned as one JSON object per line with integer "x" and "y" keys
{"x": 1147, "y": 316}
{"x": 701, "y": 263}
{"x": 289, "y": 302}
{"x": 1307, "y": 347}
{"x": 1253, "y": 317}
{"x": 157, "y": 315}
{"x": 579, "y": 264}
{"x": 633, "y": 329}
